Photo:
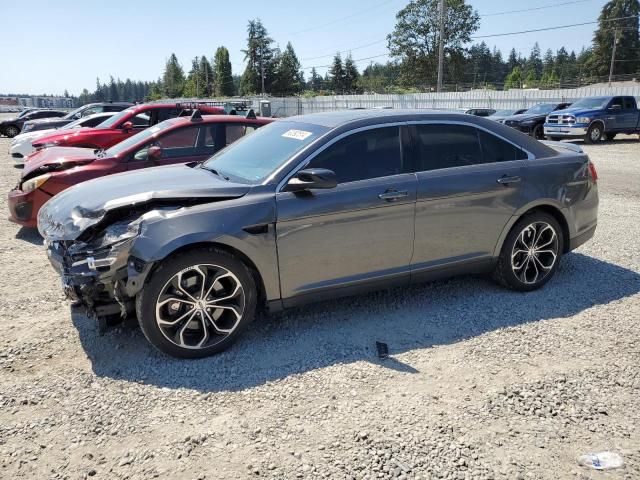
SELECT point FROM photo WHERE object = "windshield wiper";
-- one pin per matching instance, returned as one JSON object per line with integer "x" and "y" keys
{"x": 215, "y": 172}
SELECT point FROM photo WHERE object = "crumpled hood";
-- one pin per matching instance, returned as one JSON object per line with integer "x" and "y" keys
{"x": 56, "y": 120}
{"x": 72, "y": 211}
{"x": 30, "y": 136}
{"x": 63, "y": 134}
{"x": 56, "y": 158}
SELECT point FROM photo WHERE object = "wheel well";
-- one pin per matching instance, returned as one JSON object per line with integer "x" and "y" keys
{"x": 262, "y": 296}
{"x": 557, "y": 214}
{"x": 598, "y": 121}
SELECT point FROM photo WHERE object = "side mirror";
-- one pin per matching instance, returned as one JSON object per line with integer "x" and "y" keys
{"x": 312, "y": 179}
{"x": 127, "y": 126}
{"x": 615, "y": 107}
{"x": 154, "y": 153}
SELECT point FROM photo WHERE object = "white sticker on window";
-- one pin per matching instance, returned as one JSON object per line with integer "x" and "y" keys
{"x": 296, "y": 134}
{"x": 154, "y": 129}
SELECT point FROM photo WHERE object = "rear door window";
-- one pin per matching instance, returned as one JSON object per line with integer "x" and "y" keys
{"x": 495, "y": 149}
{"x": 369, "y": 154}
{"x": 629, "y": 104}
{"x": 447, "y": 146}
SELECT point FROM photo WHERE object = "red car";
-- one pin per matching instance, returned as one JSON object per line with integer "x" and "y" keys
{"x": 178, "y": 140}
{"x": 123, "y": 125}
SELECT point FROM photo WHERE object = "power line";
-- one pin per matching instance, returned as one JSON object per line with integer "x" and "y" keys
{"x": 553, "y": 5}
{"x": 499, "y": 35}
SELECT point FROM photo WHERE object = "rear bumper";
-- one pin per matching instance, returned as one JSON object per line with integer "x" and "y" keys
{"x": 582, "y": 238}
{"x": 565, "y": 131}
{"x": 24, "y": 207}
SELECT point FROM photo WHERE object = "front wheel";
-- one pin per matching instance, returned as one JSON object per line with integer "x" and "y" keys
{"x": 531, "y": 253}
{"x": 196, "y": 304}
{"x": 538, "y": 132}
{"x": 11, "y": 131}
{"x": 594, "y": 134}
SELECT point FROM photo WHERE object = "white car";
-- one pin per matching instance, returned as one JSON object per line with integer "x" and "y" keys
{"x": 21, "y": 145}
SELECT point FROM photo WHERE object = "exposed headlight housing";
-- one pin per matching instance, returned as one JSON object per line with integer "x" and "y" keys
{"x": 27, "y": 128}
{"x": 35, "y": 182}
{"x": 583, "y": 120}
{"x": 527, "y": 122}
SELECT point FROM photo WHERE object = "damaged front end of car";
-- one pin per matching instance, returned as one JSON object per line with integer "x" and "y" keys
{"x": 96, "y": 269}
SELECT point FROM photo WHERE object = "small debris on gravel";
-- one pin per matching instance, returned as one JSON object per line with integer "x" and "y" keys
{"x": 483, "y": 383}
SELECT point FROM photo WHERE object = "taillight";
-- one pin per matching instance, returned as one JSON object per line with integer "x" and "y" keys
{"x": 592, "y": 172}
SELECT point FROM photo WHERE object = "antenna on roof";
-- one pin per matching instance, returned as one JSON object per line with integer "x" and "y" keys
{"x": 196, "y": 116}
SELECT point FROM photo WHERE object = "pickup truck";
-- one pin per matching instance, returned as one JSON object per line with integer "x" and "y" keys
{"x": 594, "y": 119}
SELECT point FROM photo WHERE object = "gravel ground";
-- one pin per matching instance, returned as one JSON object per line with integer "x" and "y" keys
{"x": 482, "y": 383}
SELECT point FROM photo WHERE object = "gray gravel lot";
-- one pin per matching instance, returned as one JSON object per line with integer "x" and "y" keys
{"x": 482, "y": 383}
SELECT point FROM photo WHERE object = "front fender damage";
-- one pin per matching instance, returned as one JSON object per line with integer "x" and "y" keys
{"x": 98, "y": 271}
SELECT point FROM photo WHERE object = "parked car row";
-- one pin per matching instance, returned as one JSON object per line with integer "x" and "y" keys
{"x": 591, "y": 119}
{"x": 193, "y": 223}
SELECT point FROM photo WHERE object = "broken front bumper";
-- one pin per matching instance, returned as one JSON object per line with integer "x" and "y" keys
{"x": 104, "y": 281}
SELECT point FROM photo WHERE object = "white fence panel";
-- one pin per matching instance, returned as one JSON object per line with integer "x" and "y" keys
{"x": 284, "y": 107}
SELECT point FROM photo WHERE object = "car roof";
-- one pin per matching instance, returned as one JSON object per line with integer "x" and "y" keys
{"x": 347, "y": 120}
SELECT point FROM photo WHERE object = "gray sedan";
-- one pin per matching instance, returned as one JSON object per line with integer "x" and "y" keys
{"x": 314, "y": 207}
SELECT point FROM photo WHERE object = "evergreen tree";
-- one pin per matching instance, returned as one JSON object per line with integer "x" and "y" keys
{"x": 533, "y": 67}
{"x": 259, "y": 56}
{"x": 627, "y": 35}
{"x": 315, "y": 82}
{"x": 351, "y": 75}
{"x": 223, "y": 75}
{"x": 288, "y": 76}
{"x": 193, "y": 86}
{"x": 173, "y": 78}
{"x": 205, "y": 77}
{"x": 514, "y": 79}
{"x": 337, "y": 75}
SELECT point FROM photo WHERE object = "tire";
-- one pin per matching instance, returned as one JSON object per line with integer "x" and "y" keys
{"x": 519, "y": 267}
{"x": 555, "y": 139}
{"x": 538, "y": 132}
{"x": 594, "y": 133}
{"x": 178, "y": 322}
{"x": 609, "y": 136}
{"x": 11, "y": 131}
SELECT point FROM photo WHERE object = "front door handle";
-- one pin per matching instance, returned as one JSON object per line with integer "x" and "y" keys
{"x": 393, "y": 194}
{"x": 505, "y": 180}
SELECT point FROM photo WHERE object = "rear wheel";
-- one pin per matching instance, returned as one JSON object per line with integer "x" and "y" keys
{"x": 531, "y": 253}
{"x": 196, "y": 304}
{"x": 11, "y": 131}
{"x": 594, "y": 134}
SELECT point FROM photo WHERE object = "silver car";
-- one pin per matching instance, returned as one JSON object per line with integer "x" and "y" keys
{"x": 315, "y": 207}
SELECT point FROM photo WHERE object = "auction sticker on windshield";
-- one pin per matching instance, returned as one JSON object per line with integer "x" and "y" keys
{"x": 296, "y": 134}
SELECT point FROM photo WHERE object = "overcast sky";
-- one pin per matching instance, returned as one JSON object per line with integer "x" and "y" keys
{"x": 53, "y": 45}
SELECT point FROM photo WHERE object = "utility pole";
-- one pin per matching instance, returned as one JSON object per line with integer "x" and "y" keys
{"x": 613, "y": 54}
{"x": 262, "y": 67}
{"x": 441, "y": 46}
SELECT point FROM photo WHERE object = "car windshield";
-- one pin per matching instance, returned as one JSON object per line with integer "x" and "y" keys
{"x": 140, "y": 137}
{"x": 503, "y": 113}
{"x": 73, "y": 113}
{"x": 111, "y": 122}
{"x": 595, "y": 103}
{"x": 23, "y": 113}
{"x": 256, "y": 156}
{"x": 542, "y": 108}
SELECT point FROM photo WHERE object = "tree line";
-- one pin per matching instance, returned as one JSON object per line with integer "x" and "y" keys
{"x": 412, "y": 66}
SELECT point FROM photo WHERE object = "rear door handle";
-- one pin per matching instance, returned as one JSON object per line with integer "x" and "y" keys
{"x": 504, "y": 180}
{"x": 391, "y": 194}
